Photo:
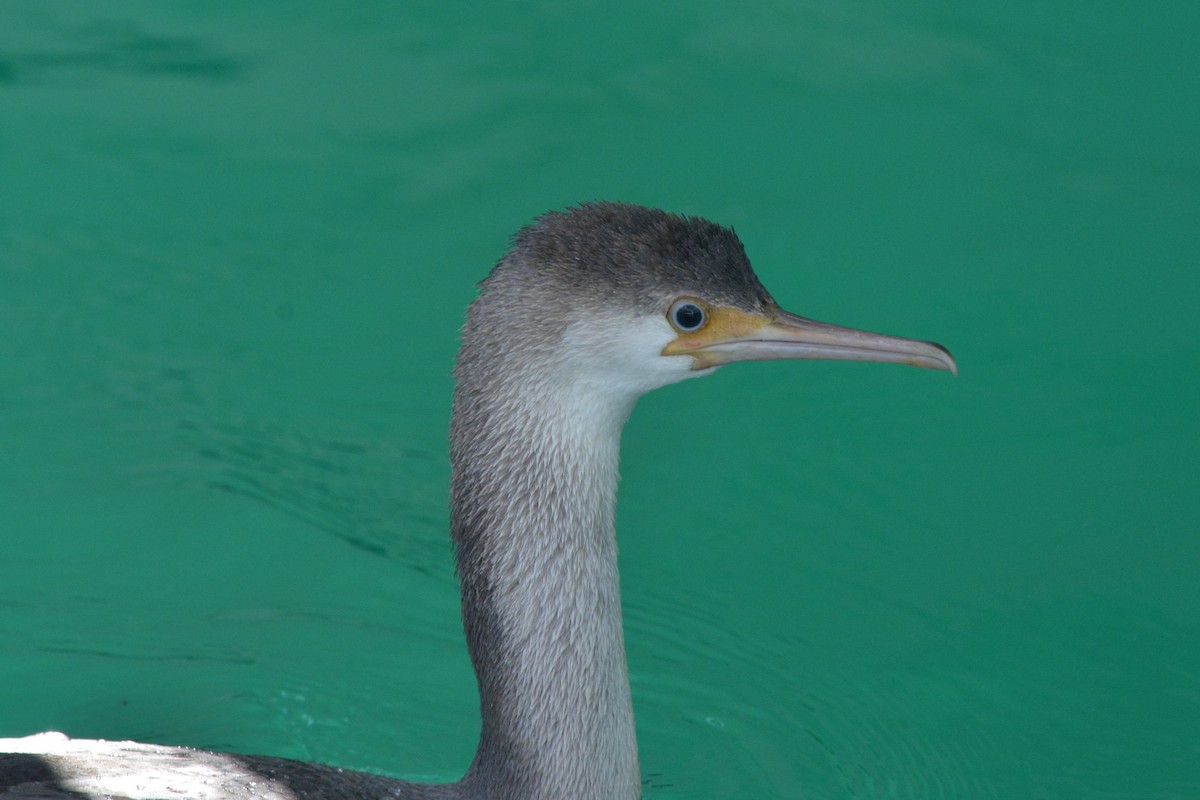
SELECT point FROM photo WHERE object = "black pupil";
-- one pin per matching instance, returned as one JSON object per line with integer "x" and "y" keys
{"x": 689, "y": 316}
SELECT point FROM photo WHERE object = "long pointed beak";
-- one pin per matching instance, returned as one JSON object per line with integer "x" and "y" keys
{"x": 739, "y": 336}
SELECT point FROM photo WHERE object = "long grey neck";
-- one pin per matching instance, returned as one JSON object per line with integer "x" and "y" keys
{"x": 533, "y": 492}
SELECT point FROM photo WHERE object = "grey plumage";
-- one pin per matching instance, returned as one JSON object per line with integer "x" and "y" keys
{"x": 569, "y": 329}
{"x": 627, "y": 256}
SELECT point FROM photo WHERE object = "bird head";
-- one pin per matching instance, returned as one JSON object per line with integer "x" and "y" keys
{"x": 624, "y": 299}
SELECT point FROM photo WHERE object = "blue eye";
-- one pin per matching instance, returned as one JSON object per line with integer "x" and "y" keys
{"x": 687, "y": 316}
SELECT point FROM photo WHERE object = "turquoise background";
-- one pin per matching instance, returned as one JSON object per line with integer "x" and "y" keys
{"x": 236, "y": 242}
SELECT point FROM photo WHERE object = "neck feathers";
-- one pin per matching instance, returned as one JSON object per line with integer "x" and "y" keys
{"x": 534, "y": 488}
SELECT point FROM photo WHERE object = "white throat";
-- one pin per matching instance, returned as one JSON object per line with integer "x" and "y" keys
{"x": 535, "y": 458}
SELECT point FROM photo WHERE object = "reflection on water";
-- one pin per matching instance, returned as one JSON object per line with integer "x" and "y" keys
{"x": 857, "y": 731}
{"x": 119, "y": 48}
{"x": 385, "y": 501}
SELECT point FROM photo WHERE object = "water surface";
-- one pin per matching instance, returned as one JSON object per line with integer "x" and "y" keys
{"x": 235, "y": 248}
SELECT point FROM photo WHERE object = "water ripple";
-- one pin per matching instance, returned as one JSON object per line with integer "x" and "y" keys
{"x": 120, "y": 48}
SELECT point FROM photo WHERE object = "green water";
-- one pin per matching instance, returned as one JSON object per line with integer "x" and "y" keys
{"x": 236, "y": 242}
